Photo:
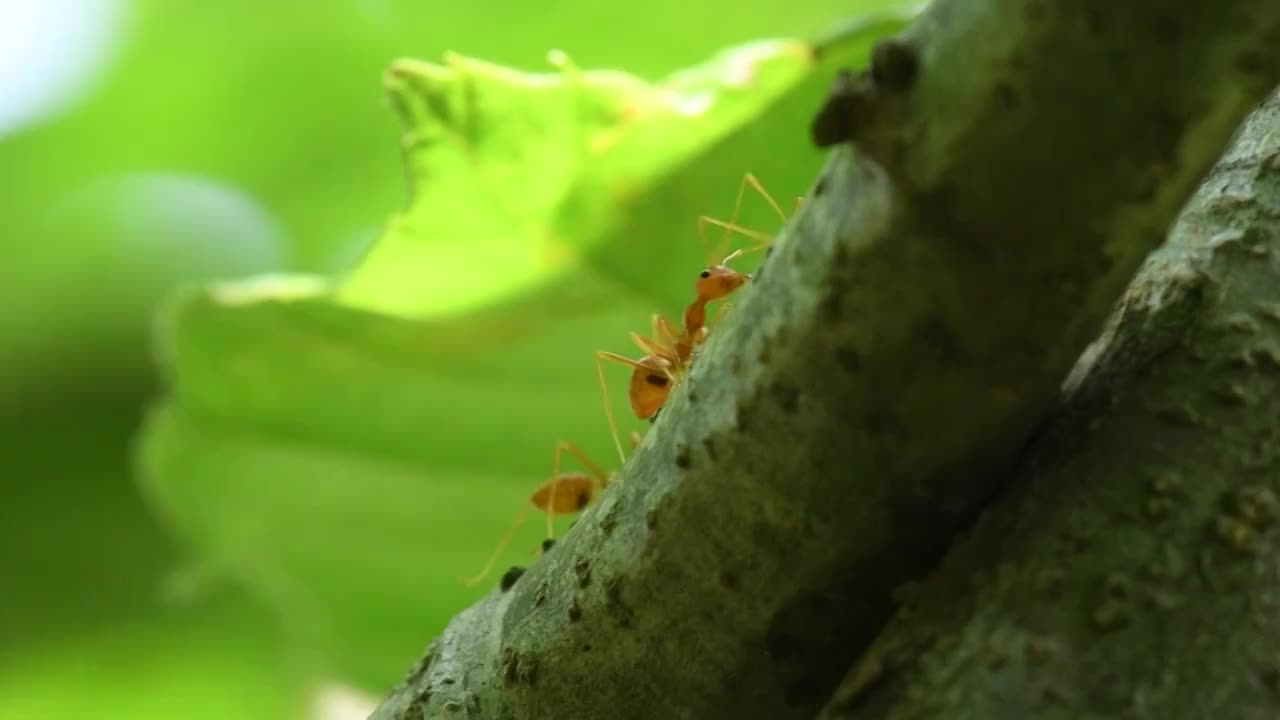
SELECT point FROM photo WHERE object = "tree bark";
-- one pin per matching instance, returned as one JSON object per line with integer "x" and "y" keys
{"x": 867, "y": 397}
{"x": 1134, "y": 569}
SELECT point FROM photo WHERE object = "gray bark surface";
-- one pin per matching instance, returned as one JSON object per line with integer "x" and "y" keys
{"x": 1134, "y": 569}
{"x": 1016, "y": 161}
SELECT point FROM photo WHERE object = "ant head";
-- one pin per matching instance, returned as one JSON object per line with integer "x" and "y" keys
{"x": 718, "y": 282}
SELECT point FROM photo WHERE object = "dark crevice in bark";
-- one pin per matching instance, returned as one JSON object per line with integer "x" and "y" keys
{"x": 1134, "y": 568}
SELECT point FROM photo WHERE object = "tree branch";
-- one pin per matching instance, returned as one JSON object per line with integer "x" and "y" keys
{"x": 1017, "y": 160}
{"x": 1135, "y": 569}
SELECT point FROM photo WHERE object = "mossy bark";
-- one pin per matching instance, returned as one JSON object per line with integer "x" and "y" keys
{"x": 869, "y": 395}
{"x": 1133, "y": 570}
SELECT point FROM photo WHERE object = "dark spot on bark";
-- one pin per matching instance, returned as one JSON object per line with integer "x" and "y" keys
{"x": 657, "y": 381}
{"x": 1167, "y": 28}
{"x": 609, "y": 520}
{"x": 1006, "y": 98}
{"x": 548, "y": 544}
{"x": 849, "y": 358}
{"x": 615, "y": 605}
{"x": 788, "y": 397}
{"x": 729, "y": 580}
{"x": 838, "y": 116}
{"x": 820, "y": 187}
{"x": 540, "y": 597}
{"x": 683, "y": 461}
{"x": 937, "y": 335}
{"x": 575, "y": 612}
{"x": 1270, "y": 678}
{"x": 510, "y": 577}
{"x": 709, "y": 446}
{"x": 880, "y": 422}
{"x": 421, "y": 666}
{"x": 832, "y": 308}
{"x": 418, "y": 708}
{"x": 451, "y": 707}
{"x": 654, "y": 418}
{"x": 651, "y": 518}
{"x": 894, "y": 65}
{"x": 1093, "y": 22}
{"x": 693, "y": 396}
{"x": 527, "y": 669}
{"x": 1251, "y": 63}
{"x": 582, "y": 568}
{"x": 766, "y": 350}
{"x": 510, "y": 665}
{"x": 586, "y": 647}
{"x": 840, "y": 256}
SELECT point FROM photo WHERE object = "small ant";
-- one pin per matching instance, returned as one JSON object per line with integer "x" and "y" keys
{"x": 669, "y": 354}
{"x": 565, "y": 493}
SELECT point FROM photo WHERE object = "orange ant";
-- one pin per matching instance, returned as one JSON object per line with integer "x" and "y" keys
{"x": 565, "y": 493}
{"x": 669, "y": 354}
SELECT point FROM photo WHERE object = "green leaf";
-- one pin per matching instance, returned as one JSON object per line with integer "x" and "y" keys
{"x": 351, "y": 466}
{"x": 536, "y": 165}
{"x": 350, "y": 448}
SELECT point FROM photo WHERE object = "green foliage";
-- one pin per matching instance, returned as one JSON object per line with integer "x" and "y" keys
{"x": 345, "y": 446}
{"x": 517, "y": 175}
{"x": 338, "y": 448}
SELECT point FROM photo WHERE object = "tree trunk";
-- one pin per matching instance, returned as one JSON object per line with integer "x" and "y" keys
{"x": 870, "y": 394}
{"x": 1133, "y": 569}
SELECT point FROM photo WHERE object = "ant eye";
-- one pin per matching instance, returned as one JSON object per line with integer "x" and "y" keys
{"x": 705, "y": 274}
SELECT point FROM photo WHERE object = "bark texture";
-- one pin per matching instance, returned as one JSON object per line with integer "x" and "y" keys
{"x": 1134, "y": 570}
{"x": 1016, "y": 161}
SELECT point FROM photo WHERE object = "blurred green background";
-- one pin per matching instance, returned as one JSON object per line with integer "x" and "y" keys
{"x": 315, "y": 478}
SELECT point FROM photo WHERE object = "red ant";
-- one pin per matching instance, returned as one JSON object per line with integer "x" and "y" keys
{"x": 669, "y": 354}
{"x": 565, "y": 493}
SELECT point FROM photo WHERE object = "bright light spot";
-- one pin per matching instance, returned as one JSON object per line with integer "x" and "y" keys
{"x": 148, "y": 232}
{"x": 50, "y": 53}
{"x": 337, "y": 702}
{"x": 278, "y": 288}
{"x": 691, "y": 105}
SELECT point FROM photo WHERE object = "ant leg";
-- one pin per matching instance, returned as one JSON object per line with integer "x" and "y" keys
{"x": 497, "y": 552}
{"x": 764, "y": 238}
{"x": 722, "y": 248}
{"x": 661, "y": 352}
{"x": 604, "y": 395}
{"x": 601, "y": 476}
{"x": 663, "y": 332}
{"x": 555, "y": 487}
{"x": 765, "y": 194}
{"x": 604, "y": 388}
